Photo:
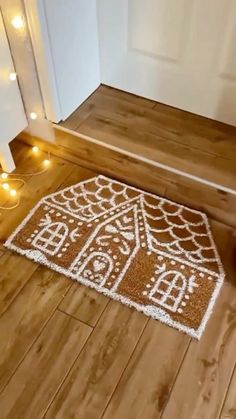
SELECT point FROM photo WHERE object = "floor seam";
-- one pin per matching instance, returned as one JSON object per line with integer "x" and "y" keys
{"x": 75, "y": 318}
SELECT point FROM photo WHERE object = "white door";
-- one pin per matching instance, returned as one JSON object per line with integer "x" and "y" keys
{"x": 178, "y": 52}
{"x": 12, "y": 115}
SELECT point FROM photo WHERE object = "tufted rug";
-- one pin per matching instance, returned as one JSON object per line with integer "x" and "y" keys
{"x": 140, "y": 249}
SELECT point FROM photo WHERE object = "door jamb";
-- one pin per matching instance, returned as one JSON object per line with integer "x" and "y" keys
{"x": 36, "y": 16}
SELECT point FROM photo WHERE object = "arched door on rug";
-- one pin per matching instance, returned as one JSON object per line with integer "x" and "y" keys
{"x": 169, "y": 289}
{"x": 97, "y": 268}
{"x": 51, "y": 238}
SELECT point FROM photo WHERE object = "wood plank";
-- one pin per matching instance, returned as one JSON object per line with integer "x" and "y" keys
{"x": 97, "y": 103}
{"x": 80, "y": 114}
{"x": 60, "y": 174}
{"x": 21, "y": 324}
{"x": 157, "y": 357}
{"x": 101, "y": 160}
{"x": 217, "y": 204}
{"x": 156, "y": 147}
{"x": 225, "y": 240}
{"x": 126, "y": 97}
{"x": 214, "y": 202}
{"x": 36, "y": 188}
{"x": 170, "y": 123}
{"x": 162, "y": 133}
{"x": 15, "y": 271}
{"x": 2, "y": 250}
{"x": 229, "y": 408}
{"x": 25, "y": 162}
{"x": 205, "y": 374}
{"x": 97, "y": 370}
{"x": 84, "y": 304}
{"x": 39, "y": 376}
{"x": 114, "y": 357}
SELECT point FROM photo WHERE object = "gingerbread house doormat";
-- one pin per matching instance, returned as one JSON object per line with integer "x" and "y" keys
{"x": 137, "y": 248}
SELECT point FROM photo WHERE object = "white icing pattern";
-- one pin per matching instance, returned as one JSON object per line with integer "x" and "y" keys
{"x": 121, "y": 223}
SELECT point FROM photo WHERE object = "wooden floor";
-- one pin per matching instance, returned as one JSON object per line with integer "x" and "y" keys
{"x": 68, "y": 352}
{"x": 191, "y": 144}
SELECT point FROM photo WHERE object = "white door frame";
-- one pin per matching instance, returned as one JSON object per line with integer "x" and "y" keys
{"x": 38, "y": 27}
{"x": 60, "y": 97}
{"x": 12, "y": 117}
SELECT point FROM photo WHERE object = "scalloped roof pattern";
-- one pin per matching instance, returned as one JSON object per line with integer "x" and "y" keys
{"x": 92, "y": 198}
{"x": 181, "y": 230}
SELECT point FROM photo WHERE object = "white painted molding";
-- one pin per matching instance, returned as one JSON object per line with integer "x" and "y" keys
{"x": 43, "y": 56}
{"x": 6, "y": 159}
{"x": 12, "y": 114}
{"x": 42, "y": 128}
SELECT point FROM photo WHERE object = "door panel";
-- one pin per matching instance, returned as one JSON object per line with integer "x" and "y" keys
{"x": 158, "y": 16}
{"x": 228, "y": 52}
{"x": 178, "y": 52}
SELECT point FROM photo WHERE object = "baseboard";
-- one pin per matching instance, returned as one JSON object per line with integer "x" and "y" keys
{"x": 213, "y": 199}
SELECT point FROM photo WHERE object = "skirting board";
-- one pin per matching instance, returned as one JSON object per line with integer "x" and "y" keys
{"x": 215, "y": 201}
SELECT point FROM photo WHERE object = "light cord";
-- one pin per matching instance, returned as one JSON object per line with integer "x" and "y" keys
{"x": 6, "y": 177}
{"x": 34, "y": 173}
{"x": 13, "y": 206}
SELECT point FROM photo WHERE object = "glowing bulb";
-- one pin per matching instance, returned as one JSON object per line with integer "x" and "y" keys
{"x": 12, "y": 76}
{"x": 5, "y": 186}
{"x": 33, "y": 115}
{"x": 4, "y": 175}
{"x": 46, "y": 162}
{"x": 17, "y": 22}
{"x": 35, "y": 149}
{"x": 13, "y": 192}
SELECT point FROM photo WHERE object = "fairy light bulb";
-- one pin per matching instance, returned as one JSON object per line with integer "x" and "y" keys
{"x": 35, "y": 149}
{"x": 46, "y": 162}
{"x": 12, "y": 76}
{"x": 13, "y": 192}
{"x": 33, "y": 115}
{"x": 5, "y": 186}
{"x": 4, "y": 175}
{"x": 17, "y": 22}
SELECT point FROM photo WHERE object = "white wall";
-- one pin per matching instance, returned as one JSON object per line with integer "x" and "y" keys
{"x": 65, "y": 40}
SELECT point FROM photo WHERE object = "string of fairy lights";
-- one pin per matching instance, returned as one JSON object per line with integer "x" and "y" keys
{"x": 9, "y": 179}
{"x": 19, "y": 24}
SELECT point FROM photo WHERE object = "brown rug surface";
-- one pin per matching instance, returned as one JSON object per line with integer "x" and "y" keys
{"x": 140, "y": 249}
